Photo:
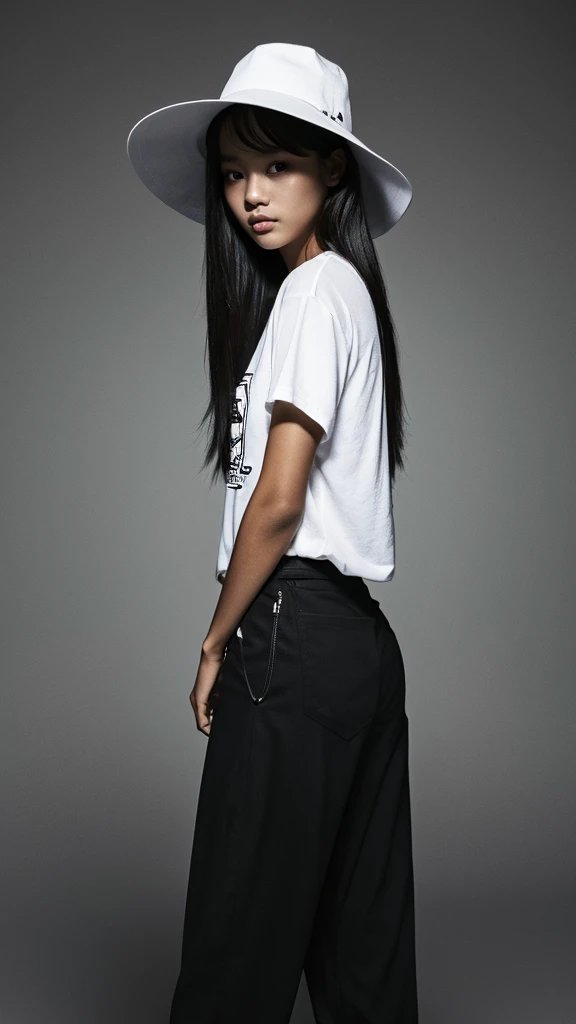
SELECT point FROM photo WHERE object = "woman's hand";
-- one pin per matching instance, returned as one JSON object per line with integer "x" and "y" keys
{"x": 211, "y": 661}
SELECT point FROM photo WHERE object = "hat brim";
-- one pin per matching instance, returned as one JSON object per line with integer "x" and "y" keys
{"x": 167, "y": 150}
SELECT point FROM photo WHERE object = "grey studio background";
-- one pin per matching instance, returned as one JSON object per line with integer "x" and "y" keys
{"x": 110, "y": 530}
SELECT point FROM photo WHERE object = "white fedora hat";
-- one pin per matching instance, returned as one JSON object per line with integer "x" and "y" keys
{"x": 168, "y": 152}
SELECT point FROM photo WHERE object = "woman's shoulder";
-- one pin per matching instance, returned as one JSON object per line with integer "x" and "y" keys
{"x": 332, "y": 279}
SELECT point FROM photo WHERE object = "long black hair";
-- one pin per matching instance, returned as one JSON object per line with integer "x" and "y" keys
{"x": 242, "y": 280}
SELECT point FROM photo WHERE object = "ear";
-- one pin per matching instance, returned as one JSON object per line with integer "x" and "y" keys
{"x": 335, "y": 165}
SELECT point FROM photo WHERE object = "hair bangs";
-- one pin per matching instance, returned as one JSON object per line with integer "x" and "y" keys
{"x": 267, "y": 131}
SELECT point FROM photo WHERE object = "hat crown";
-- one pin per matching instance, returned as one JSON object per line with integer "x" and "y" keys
{"x": 295, "y": 70}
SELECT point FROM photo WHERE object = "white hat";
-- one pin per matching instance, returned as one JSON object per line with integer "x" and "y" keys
{"x": 168, "y": 152}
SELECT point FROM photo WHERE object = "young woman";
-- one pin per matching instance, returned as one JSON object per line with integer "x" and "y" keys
{"x": 302, "y": 851}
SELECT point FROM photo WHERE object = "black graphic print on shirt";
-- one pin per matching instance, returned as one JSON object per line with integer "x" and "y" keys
{"x": 238, "y": 469}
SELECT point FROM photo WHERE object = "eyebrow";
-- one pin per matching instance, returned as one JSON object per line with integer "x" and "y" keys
{"x": 227, "y": 158}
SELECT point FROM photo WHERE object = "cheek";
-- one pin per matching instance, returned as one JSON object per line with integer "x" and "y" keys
{"x": 235, "y": 201}
{"x": 229, "y": 198}
{"x": 300, "y": 196}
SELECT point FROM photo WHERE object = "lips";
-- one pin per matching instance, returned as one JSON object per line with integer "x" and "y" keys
{"x": 263, "y": 225}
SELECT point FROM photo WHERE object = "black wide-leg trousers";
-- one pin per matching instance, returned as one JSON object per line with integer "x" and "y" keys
{"x": 302, "y": 850}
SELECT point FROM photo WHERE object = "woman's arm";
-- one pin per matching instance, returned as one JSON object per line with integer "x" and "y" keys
{"x": 270, "y": 520}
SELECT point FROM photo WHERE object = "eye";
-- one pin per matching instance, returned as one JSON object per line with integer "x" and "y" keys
{"x": 282, "y": 164}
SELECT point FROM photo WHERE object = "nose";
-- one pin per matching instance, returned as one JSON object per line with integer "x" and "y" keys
{"x": 256, "y": 193}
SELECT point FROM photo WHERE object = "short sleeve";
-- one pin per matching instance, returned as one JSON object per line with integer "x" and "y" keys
{"x": 310, "y": 360}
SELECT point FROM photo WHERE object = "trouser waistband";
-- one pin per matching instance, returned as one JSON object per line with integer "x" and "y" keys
{"x": 294, "y": 566}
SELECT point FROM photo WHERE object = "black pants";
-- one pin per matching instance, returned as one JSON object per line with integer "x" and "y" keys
{"x": 302, "y": 852}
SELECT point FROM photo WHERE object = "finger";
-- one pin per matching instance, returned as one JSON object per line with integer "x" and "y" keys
{"x": 202, "y": 717}
{"x": 196, "y": 707}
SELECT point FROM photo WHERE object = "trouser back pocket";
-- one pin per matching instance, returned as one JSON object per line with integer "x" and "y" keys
{"x": 340, "y": 670}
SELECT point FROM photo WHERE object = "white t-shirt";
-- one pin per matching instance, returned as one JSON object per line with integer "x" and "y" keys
{"x": 320, "y": 350}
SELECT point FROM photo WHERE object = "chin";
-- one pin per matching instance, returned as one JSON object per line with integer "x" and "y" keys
{"x": 268, "y": 243}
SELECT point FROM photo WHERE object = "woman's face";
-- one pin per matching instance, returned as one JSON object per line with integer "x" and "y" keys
{"x": 289, "y": 190}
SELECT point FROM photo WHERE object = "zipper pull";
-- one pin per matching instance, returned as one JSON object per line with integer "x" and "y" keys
{"x": 239, "y": 632}
{"x": 277, "y": 603}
